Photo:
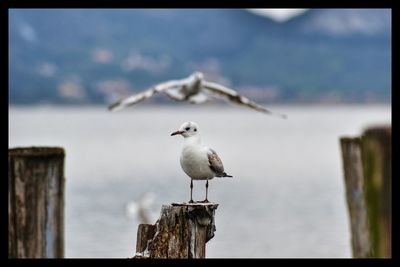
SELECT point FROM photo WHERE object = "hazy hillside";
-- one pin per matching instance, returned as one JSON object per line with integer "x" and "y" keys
{"x": 94, "y": 56}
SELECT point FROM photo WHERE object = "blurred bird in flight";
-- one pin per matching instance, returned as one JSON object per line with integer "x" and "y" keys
{"x": 194, "y": 89}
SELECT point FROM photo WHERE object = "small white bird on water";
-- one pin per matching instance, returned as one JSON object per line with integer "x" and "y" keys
{"x": 199, "y": 162}
{"x": 194, "y": 89}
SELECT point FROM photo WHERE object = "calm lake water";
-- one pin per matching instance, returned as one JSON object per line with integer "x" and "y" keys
{"x": 286, "y": 199}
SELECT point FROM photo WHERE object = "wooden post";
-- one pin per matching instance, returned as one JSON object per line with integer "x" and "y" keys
{"x": 354, "y": 181}
{"x": 36, "y": 202}
{"x": 377, "y": 165}
{"x": 182, "y": 231}
{"x": 367, "y": 163}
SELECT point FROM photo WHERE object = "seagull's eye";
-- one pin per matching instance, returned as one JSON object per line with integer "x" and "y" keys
{"x": 187, "y": 128}
{"x": 195, "y": 129}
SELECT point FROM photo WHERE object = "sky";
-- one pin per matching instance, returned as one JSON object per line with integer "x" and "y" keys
{"x": 278, "y": 14}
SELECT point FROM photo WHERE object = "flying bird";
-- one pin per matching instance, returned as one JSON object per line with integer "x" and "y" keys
{"x": 199, "y": 162}
{"x": 194, "y": 89}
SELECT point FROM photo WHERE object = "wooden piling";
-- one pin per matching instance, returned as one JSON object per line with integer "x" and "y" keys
{"x": 182, "y": 231}
{"x": 367, "y": 163}
{"x": 354, "y": 182}
{"x": 36, "y": 202}
{"x": 377, "y": 165}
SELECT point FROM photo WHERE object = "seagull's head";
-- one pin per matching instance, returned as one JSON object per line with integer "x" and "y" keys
{"x": 198, "y": 75}
{"x": 187, "y": 129}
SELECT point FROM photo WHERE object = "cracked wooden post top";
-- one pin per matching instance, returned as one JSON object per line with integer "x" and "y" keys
{"x": 182, "y": 231}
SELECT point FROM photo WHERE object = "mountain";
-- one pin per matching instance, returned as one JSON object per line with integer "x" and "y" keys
{"x": 98, "y": 55}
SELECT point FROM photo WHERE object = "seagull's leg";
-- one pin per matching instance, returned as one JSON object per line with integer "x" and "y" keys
{"x": 206, "y": 200}
{"x": 191, "y": 190}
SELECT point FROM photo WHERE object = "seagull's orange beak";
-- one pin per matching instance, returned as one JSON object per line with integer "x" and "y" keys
{"x": 177, "y": 132}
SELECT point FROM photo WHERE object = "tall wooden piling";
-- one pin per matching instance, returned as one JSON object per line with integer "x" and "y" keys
{"x": 367, "y": 163}
{"x": 182, "y": 231}
{"x": 36, "y": 202}
{"x": 354, "y": 181}
{"x": 377, "y": 164}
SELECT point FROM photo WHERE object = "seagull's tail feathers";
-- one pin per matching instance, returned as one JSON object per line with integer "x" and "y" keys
{"x": 225, "y": 175}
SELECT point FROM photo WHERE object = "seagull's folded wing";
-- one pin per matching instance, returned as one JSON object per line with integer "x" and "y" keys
{"x": 131, "y": 100}
{"x": 215, "y": 162}
{"x": 233, "y": 96}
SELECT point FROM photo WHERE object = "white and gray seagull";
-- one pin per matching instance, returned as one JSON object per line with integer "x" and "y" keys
{"x": 199, "y": 162}
{"x": 194, "y": 89}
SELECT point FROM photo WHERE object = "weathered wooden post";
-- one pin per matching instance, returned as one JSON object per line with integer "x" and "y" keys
{"x": 36, "y": 202}
{"x": 354, "y": 181}
{"x": 367, "y": 162}
{"x": 182, "y": 231}
{"x": 377, "y": 164}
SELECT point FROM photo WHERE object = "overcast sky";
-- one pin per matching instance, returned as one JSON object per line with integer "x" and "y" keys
{"x": 278, "y": 14}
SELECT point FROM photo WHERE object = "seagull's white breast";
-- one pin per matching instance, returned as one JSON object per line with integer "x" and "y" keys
{"x": 194, "y": 162}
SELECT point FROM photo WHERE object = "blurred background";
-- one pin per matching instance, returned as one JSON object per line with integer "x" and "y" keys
{"x": 328, "y": 70}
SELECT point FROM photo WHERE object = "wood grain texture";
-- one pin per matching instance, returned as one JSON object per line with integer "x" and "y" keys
{"x": 377, "y": 166}
{"x": 144, "y": 234}
{"x": 36, "y": 202}
{"x": 354, "y": 181}
{"x": 367, "y": 164}
{"x": 182, "y": 231}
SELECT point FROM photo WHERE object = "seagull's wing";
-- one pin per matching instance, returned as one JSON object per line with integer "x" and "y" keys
{"x": 175, "y": 93}
{"x": 131, "y": 100}
{"x": 215, "y": 162}
{"x": 233, "y": 96}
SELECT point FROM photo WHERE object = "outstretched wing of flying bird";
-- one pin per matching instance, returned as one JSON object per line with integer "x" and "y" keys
{"x": 232, "y": 96}
{"x": 131, "y": 100}
{"x": 175, "y": 93}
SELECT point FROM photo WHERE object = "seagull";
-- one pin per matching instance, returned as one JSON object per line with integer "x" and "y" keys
{"x": 199, "y": 162}
{"x": 143, "y": 208}
{"x": 194, "y": 89}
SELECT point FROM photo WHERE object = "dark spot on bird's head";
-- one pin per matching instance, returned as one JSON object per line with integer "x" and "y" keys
{"x": 189, "y": 129}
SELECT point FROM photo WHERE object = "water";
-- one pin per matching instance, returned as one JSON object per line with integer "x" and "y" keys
{"x": 286, "y": 199}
